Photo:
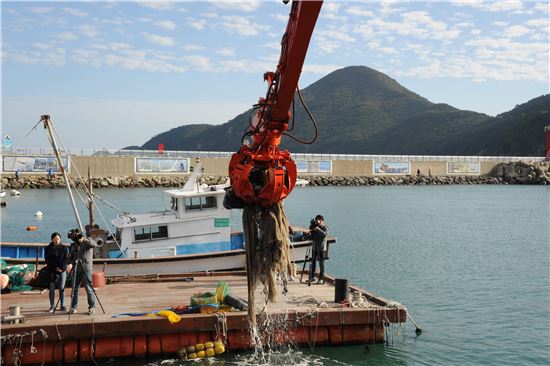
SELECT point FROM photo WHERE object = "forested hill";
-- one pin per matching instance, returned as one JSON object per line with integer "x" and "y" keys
{"x": 362, "y": 111}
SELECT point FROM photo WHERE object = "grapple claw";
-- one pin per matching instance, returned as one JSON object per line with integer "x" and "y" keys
{"x": 262, "y": 178}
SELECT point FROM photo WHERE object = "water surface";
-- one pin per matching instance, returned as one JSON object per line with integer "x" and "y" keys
{"x": 471, "y": 263}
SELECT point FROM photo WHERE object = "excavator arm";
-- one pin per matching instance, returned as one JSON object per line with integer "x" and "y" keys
{"x": 259, "y": 172}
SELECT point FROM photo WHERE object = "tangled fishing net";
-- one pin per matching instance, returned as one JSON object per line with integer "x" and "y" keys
{"x": 267, "y": 250}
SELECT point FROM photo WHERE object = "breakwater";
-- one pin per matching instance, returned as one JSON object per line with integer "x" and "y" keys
{"x": 502, "y": 173}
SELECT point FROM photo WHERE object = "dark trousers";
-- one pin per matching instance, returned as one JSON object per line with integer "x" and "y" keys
{"x": 317, "y": 255}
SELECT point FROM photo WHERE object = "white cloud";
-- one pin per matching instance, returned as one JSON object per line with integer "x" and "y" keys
{"x": 166, "y": 24}
{"x": 66, "y": 36}
{"x": 242, "y": 26}
{"x": 159, "y": 40}
{"x": 320, "y": 69}
{"x": 475, "y": 32}
{"x": 201, "y": 63}
{"x": 501, "y": 24}
{"x": 75, "y": 12}
{"x": 40, "y": 10}
{"x": 51, "y": 56}
{"x": 226, "y": 51}
{"x": 43, "y": 46}
{"x": 158, "y": 5}
{"x": 516, "y": 31}
{"x": 539, "y": 23}
{"x": 280, "y": 17}
{"x": 271, "y": 45}
{"x": 127, "y": 58}
{"x": 193, "y": 47}
{"x": 331, "y": 39}
{"x": 119, "y": 46}
{"x": 198, "y": 24}
{"x": 387, "y": 7}
{"x": 388, "y": 50}
{"x": 541, "y": 7}
{"x": 87, "y": 30}
{"x": 246, "y": 6}
{"x": 493, "y": 6}
{"x": 331, "y": 7}
{"x": 211, "y": 15}
{"x": 359, "y": 11}
{"x": 328, "y": 46}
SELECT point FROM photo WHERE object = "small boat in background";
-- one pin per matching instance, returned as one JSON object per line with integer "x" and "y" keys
{"x": 301, "y": 182}
{"x": 14, "y": 192}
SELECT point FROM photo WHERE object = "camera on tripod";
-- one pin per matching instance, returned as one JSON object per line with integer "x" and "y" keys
{"x": 313, "y": 224}
{"x": 74, "y": 234}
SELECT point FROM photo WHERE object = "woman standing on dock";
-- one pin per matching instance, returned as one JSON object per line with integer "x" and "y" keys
{"x": 56, "y": 262}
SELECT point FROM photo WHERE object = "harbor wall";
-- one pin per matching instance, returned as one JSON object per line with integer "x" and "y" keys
{"x": 169, "y": 171}
{"x": 125, "y": 166}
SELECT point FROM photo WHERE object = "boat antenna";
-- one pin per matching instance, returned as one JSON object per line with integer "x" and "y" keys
{"x": 47, "y": 125}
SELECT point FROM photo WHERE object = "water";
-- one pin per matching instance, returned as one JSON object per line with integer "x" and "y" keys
{"x": 471, "y": 263}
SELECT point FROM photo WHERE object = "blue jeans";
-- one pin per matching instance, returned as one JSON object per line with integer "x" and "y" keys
{"x": 57, "y": 280}
{"x": 87, "y": 286}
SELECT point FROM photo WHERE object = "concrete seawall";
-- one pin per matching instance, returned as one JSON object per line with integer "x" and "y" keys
{"x": 502, "y": 173}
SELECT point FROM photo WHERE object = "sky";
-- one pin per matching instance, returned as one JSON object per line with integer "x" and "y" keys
{"x": 115, "y": 73}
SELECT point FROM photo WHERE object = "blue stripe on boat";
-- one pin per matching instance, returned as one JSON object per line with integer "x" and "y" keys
{"x": 203, "y": 247}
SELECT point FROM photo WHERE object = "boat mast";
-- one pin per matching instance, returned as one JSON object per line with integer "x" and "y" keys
{"x": 47, "y": 125}
{"x": 90, "y": 199}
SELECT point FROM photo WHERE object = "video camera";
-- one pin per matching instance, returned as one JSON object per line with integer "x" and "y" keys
{"x": 313, "y": 224}
{"x": 74, "y": 234}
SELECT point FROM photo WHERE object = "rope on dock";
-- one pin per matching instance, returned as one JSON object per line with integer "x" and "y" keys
{"x": 221, "y": 325}
{"x": 16, "y": 341}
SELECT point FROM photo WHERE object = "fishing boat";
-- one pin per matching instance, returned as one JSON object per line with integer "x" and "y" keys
{"x": 193, "y": 235}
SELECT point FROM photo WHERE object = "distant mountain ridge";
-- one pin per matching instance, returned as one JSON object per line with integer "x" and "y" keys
{"x": 362, "y": 111}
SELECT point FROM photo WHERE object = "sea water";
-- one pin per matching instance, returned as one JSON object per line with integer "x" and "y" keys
{"x": 471, "y": 264}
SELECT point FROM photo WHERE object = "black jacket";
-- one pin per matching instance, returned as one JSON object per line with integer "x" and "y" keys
{"x": 56, "y": 256}
{"x": 319, "y": 236}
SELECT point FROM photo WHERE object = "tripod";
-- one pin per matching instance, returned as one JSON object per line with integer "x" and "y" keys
{"x": 307, "y": 258}
{"x": 74, "y": 271}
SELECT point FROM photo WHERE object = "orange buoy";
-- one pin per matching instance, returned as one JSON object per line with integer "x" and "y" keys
{"x": 31, "y": 228}
{"x": 98, "y": 279}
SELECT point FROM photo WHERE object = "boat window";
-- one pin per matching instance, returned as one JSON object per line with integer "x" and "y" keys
{"x": 150, "y": 232}
{"x": 192, "y": 203}
{"x": 200, "y": 203}
{"x": 208, "y": 202}
{"x": 174, "y": 204}
{"x": 158, "y": 232}
{"x": 142, "y": 233}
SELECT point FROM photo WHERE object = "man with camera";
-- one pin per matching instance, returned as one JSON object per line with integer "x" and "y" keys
{"x": 83, "y": 255}
{"x": 318, "y": 234}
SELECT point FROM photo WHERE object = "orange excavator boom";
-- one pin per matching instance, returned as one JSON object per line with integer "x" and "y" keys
{"x": 259, "y": 172}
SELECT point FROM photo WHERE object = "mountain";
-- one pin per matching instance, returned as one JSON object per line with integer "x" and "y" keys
{"x": 362, "y": 111}
{"x": 519, "y": 132}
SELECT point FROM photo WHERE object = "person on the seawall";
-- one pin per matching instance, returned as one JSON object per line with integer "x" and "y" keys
{"x": 56, "y": 263}
{"x": 83, "y": 267}
{"x": 318, "y": 232}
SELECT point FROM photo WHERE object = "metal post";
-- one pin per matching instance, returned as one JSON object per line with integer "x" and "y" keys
{"x": 90, "y": 199}
{"x": 46, "y": 119}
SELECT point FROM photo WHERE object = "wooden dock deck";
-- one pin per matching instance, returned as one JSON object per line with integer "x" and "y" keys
{"x": 319, "y": 321}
